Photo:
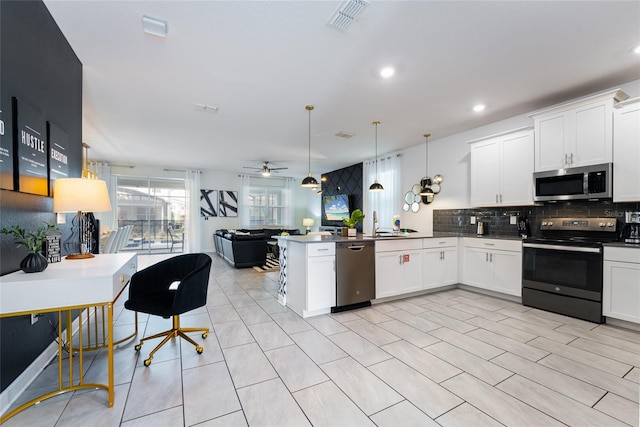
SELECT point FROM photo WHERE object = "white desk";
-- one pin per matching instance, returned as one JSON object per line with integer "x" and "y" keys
{"x": 63, "y": 287}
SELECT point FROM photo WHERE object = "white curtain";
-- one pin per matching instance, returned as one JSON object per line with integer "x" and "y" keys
{"x": 288, "y": 197}
{"x": 388, "y": 202}
{"x": 244, "y": 202}
{"x": 108, "y": 220}
{"x": 192, "y": 240}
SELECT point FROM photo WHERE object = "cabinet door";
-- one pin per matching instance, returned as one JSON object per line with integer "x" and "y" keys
{"x": 549, "y": 142}
{"x": 621, "y": 292}
{"x": 626, "y": 153}
{"x": 485, "y": 173}
{"x": 388, "y": 274}
{"x": 592, "y": 135}
{"x": 507, "y": 272}
{"x": 449, "y": 266}
{"x": 476, "y": 269}
{"x": 321, "y": 283}
{"x": 411, "y": 279}
{"x": 516, "y": 179}
{"x": 440, "y": 267}
{"x": 432, "y": 268}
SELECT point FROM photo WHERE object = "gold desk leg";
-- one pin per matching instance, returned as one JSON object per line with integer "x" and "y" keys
{"x": 110, "y": 353}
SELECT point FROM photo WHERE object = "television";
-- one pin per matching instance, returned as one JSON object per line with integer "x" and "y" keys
{"x": 335, "y": 208}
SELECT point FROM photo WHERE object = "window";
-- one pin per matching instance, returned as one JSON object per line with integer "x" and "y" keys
{"x": 386, "y": 203}
{"x": 266, "y": 202}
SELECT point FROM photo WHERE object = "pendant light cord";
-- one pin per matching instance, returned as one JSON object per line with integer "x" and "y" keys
{"x": 426, "y": 155}
{"x": 376, "y": 159}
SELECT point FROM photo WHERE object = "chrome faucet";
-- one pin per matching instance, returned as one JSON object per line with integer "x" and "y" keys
{"x": 374, "y": 229}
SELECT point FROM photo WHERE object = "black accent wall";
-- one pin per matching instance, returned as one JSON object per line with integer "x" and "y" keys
{"x": 344, "y": 181}
{"x": 39, "y": 67}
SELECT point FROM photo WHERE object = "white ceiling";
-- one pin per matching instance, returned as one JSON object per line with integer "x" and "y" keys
{"x": 261, "y": 62}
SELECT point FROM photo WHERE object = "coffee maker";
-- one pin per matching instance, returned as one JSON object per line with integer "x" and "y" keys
{"x": 631, "y": 229}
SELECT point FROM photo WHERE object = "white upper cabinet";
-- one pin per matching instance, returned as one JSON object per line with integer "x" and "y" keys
{"x": 579, "y": 133}
{"x": 626, "y": 151}
{"x": 502, "y": 169}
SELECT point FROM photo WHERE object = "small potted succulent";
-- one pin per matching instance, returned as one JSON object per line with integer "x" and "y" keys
{"x": 356, "y": 217}
{"x": 33, "y": 241}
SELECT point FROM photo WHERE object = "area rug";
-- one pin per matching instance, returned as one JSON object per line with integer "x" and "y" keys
{"x": 272, "y": 265}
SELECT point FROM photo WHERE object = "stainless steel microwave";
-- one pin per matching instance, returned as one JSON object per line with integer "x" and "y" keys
{"x": 586, "y": 182}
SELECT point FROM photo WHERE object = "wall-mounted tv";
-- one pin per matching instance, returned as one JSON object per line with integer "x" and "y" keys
{"x": 336, "y": 208}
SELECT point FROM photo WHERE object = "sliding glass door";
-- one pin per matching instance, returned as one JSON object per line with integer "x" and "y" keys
{"x": 155, "y": 207}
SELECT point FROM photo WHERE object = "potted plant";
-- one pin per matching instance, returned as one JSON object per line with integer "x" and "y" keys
{"x": 356, "y": 217}
{"x": 33, "y": 241}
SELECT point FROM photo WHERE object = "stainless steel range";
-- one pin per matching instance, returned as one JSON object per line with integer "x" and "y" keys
{"x": 562, "y": 270}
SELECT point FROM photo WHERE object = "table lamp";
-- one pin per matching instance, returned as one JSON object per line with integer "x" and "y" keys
{"x": 79, "y": 195}
{"x": 308, "y": 222}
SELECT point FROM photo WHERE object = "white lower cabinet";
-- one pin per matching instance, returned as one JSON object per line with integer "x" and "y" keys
{"x": 321, "y": 276}
{"x": 493, "y": 264}
{"x": 439, "y": 262}
{"x": 621, "y": 287}
{"x": 311, "y": 277}
{"x": 398, "y": 267}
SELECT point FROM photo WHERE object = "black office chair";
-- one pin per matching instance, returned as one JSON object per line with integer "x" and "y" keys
{"x": 168, "y": 289}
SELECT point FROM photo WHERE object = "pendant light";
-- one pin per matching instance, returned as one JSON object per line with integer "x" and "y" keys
{"x": 309, "y": 180}
{"x": 426, "y": 192}
{"x": 376, "y": 186}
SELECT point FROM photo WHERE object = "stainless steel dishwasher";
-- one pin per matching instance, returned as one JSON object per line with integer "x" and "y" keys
{"x": 355, "y": 274}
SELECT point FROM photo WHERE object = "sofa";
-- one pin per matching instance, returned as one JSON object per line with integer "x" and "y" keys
{"x": 247, "y": 248}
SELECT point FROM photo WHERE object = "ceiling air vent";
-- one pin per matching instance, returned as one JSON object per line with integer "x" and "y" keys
{"x": 348, "y": 11}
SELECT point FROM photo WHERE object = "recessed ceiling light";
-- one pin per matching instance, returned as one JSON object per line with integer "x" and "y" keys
{"x": 478, "y": 108}
{"x": 636, "y": 49}
{"x": 387, "y": 72}
{"x": 154, "y": 26}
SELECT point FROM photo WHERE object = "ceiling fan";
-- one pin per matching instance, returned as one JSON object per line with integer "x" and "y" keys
{"x": 265, "y": 170}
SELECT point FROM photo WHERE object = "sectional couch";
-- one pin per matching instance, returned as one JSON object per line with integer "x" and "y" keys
{"x": 246, "y": 248}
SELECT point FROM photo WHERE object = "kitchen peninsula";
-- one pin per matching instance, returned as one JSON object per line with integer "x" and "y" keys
{"x": 405, "y": 263}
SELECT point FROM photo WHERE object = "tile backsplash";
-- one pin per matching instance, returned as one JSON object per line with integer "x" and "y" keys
{"x": 497, "y": 219}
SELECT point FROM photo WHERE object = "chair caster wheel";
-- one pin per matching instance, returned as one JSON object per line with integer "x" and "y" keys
{"x": 138, "y": 347}
{"x": 199, "y": 349}
{"x": 147, "y": 362}
{"x": 205, "y": 335}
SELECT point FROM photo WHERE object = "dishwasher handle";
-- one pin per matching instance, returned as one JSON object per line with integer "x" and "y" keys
{"x": 356, "y": 247}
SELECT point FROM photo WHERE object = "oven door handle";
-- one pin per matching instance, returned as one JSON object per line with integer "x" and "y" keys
{"x": 562, "y": 248}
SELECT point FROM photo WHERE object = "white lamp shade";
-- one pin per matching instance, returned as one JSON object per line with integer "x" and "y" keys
{"x": 307, "y": 222}
{"x": 80, "y": 195}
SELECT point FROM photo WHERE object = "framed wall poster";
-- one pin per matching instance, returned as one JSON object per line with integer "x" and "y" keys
{"x": 208, "y": 203}
{"x": 58, "y": 146}
{"x": 31, "y": 149}
{"x": 6, "y": 149}
{"x": 228, "y": 203}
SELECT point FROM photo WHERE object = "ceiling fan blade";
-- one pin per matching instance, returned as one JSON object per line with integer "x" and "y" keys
{"x": 278, "y": 169}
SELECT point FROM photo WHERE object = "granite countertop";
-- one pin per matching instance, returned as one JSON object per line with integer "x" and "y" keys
{"x": 386, "y": 236}
{"x": 623, "y": 245}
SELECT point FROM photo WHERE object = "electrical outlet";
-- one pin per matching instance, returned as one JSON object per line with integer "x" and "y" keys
{"x": 34, "y": 318}
{"x": 473, "y": 220}
{"x": 513, "y": 220}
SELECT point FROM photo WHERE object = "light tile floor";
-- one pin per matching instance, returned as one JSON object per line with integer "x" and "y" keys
{"x": 452, "y": 358}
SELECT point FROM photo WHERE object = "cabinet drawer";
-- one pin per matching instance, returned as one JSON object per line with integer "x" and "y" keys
{"x": 321, "y": 249}
{"x": 400, "y": 244}
{"x": 493, "y": 244}
{"x": 123, "y": 276}
{"x": 435, "y": 242}
{"x": 622, "y": 254}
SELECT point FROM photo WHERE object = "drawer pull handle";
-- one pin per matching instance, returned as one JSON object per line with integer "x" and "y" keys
{"x": 489, "y": 244}
{"x": 325, "y": 249}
